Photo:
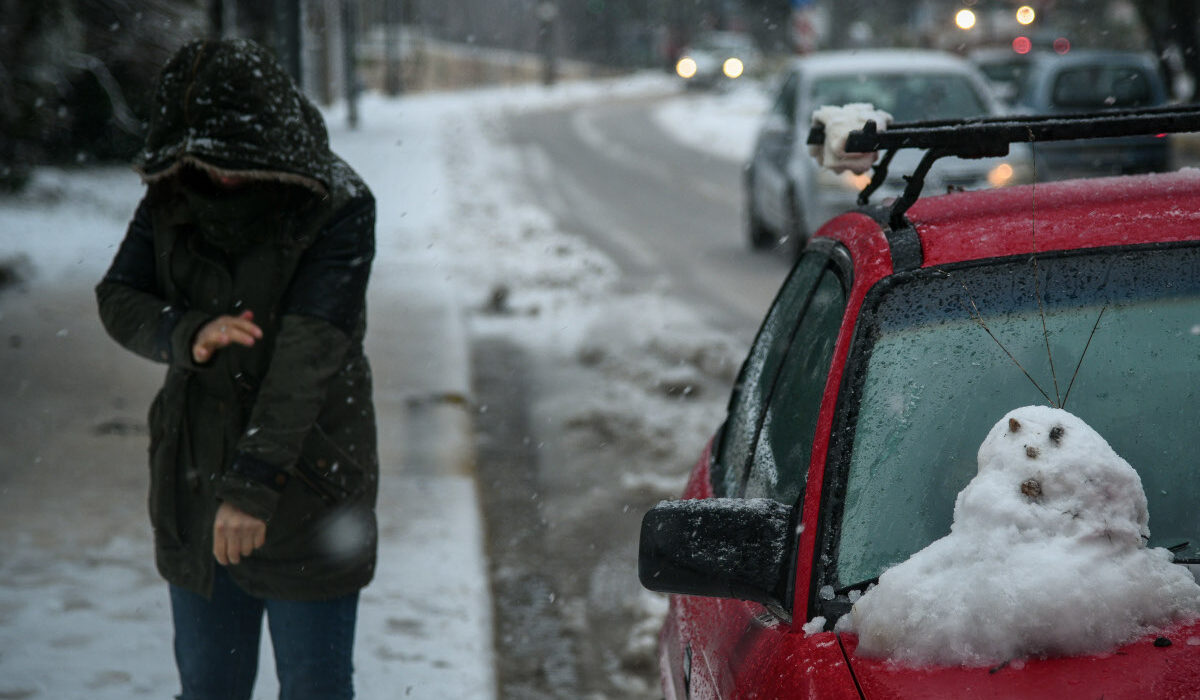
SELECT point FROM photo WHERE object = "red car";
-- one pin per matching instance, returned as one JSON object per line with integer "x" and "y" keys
{"x": 900, "y": 337}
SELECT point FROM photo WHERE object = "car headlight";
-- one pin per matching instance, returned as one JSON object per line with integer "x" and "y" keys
{"x": 1001, "y": 175}
{"x": 733, "y": 67}
{"x": 1014, "y": 171}
{"x": 686, "y": 68}
{"x": 857, "y": 182}
{"x": 845, "y": 181}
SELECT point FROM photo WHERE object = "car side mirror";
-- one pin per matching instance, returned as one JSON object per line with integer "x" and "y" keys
{"x": 721, "y": 547}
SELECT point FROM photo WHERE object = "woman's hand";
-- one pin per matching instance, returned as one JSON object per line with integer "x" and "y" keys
{"x": 223, "y": 331}
{"x": 236, "y": 534}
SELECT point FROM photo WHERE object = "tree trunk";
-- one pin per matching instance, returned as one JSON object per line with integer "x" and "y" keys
{"x": 349, "y": 48}
{"x": 1186, "y": 17}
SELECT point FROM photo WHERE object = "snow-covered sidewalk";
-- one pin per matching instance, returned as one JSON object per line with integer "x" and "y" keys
{"x": 83, "y": 614}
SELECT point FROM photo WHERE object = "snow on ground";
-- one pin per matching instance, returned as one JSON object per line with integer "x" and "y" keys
{"x": 634, "y": 364}
{"x": 82, "y": 620}
{"x": 723, "y": 123}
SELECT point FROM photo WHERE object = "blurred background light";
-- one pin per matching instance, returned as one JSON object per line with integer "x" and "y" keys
{"x": 686, "y": 67}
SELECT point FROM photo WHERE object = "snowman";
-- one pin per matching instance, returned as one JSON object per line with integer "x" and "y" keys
{"x": 1046, "y": 556}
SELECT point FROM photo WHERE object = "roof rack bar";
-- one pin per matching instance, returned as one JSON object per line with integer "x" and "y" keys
{"x": 967, "y": 138}
{"x": 879, "y": 173}
{"x": 914, "y": 183}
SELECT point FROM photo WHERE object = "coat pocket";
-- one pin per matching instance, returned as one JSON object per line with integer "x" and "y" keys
{"x": 331, "y": 491}
{"x": 329, "y": 468}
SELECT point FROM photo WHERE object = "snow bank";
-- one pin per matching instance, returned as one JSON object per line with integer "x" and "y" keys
{"x": 722, "y": 124}
{"x": 1046, "y": 556}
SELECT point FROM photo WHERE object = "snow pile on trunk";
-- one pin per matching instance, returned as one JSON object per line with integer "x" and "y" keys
{"x": 839, "y": 122}
{"x": 1046, "y": 556}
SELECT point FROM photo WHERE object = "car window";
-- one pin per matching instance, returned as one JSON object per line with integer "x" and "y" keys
{"x": 1098, "y": 87}
{"x": 936, "y": 382}
{"x": 906, "y": 96}
{"x": 758, "y": 374}
{"x": 729, "y": 43}
{"x": 779, "y": 466}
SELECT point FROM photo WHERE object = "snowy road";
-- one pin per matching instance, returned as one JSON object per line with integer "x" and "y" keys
{"x": 600, "y": 422}
{"x": 668, "y": 214}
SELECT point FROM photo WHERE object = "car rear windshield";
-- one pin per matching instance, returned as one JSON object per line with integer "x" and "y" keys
{"x": 906, "y": 96}
{"x": 1101, "y": 87}
{"x": 936, "y": 382}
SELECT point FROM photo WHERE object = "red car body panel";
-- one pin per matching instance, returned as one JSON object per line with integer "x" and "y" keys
{"x": 1134, "y": 672}
{"x": 1073, "y": 214}
{"x": 872, "y": 261}
{"x": 752, "y": 655}
{"x": 718, "y": 648}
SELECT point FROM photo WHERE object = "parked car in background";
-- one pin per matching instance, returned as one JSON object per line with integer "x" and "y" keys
{"x": 787, "y": 196}
{"x": 1088, "y": 80}
{"x": 1004, "y": 69}
{"x": 899, "y": 339}
{"x": 715, "y": 59}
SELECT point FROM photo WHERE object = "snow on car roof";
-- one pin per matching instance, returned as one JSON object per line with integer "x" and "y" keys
{"x": 884, "y": 60}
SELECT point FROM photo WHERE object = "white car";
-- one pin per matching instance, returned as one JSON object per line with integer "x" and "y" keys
{"x": 787, "y": 195}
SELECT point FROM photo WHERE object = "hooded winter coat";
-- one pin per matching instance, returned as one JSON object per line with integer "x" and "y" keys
{"x": 284, "y": 429}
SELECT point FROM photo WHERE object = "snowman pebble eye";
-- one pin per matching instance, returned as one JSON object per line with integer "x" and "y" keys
{"x": 1056, "y": 434}
{"x": 1014, "y": 425}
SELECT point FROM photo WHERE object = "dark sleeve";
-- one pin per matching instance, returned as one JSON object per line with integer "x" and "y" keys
{"x": 330, "y": 282}
{"x": 321, "y": 315}
{"x": 132, "y": 306}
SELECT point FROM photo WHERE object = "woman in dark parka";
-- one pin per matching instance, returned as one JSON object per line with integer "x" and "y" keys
{"x": 244, "y": 271}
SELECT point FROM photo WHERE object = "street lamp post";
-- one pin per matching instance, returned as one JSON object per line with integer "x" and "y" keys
{"x": 350, "y": 60}
{"x": 546, "y": 13}
{"x": 393, "y": 58}
{"x": 287, "y": 36}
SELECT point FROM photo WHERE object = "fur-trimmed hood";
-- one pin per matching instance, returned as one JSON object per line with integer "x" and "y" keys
{"x": 229, "y": 108}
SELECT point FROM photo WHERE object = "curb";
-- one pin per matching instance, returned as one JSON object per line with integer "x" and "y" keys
{"x": 432, "y": 583}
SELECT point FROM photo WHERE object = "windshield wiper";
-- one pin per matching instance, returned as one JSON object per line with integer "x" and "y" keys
{"x": 1177, "y": 548}
{"x": 860, "y": 586}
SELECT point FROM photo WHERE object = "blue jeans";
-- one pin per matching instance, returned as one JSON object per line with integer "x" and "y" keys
{"x": 217, "y": 641}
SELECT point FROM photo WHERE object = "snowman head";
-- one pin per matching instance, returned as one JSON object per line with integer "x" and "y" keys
{"x": 1045, "y": 472}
